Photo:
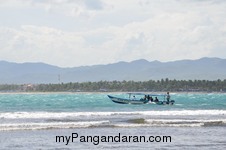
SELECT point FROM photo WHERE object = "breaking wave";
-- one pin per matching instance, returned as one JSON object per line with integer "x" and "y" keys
{"x": 66, "y": 120}
{"x": 45, "y": 115}
{"x": 52, "y": 125}
{"x": 108, "y": 124}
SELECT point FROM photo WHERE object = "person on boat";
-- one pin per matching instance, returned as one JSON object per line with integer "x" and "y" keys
{"x": 148, "y": 97}
{"x": 151, "y": 99}
{"x": 156, "y": 99}
{"x": 134, "y": 97}
{"x": 168, "y": 97}
{"x": 145, "y": 97}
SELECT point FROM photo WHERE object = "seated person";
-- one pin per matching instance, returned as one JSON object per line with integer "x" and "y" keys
{"x": 148, "y": 97}
{"x": 156, "y": 99}
{"x": 151, "y": 99}
{"x": 145, "y": 97}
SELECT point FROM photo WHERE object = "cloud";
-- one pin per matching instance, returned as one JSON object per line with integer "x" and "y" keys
{"x": 44, "y": 44}
{"x": 94, "y": 4}
{"x": 96, "y": 32}
{"x": 74, "y": 8}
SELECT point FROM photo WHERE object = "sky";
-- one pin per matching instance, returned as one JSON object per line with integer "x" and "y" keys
{"x": 71, "y": 33}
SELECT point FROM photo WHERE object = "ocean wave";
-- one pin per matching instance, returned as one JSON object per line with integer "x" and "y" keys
{"x": 47, "y": 115}
{"x": 141, "y": 122}
{"x": 52, "y": 125}
{"x": 158, "y": 125}
{"x": 130, "y": 123}
{"x": 184, "y": 122}
{"x": 174, "y": 122}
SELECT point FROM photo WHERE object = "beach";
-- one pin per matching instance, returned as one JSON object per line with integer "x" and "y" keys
{"x": 182, "y": 138}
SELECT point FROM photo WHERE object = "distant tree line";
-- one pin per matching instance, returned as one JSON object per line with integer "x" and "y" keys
{"x": 122, "y": 86}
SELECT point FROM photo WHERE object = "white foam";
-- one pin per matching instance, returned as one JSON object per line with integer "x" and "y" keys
{"x": 159, "y": 125}
{"x": 174, "y": 123}
{"x": 46, "y": 115}
{"x": 107, "y": 123}
{"x": 183, "y": 122}
{"x": 52, "y": 125}
{"x": 184, "y": 112}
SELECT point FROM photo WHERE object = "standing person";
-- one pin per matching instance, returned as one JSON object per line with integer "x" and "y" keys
{"x": 168, "y": 97}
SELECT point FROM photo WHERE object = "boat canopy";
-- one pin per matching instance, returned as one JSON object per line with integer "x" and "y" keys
{"x": 146, "y": 94}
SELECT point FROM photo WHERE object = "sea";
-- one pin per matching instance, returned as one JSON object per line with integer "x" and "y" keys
{"x": 55, "y": 121}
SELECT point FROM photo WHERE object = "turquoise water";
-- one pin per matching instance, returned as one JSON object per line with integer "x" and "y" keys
{"x": 100, "y": 102}
{"x": 70, "y": 110}
{"x": 31, "y": 115}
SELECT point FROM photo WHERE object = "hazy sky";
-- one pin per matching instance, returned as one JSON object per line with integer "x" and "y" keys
{"x": 71, "y": 33}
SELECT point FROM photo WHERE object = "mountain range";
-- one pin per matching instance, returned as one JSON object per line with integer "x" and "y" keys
{"x": 138, "y": 70}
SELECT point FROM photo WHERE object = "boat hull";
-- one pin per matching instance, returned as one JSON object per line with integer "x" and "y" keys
{"x": 171, "y": 102}
{"x": 127, "y": 101}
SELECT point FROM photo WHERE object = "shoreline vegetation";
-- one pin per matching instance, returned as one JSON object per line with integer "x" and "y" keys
{"x": 163, "y": 85}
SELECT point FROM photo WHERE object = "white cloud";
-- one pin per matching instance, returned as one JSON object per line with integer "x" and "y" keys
{"x": 40, "y": 44}
{"x": 74, "y": 8}
{"x": 109, "y": 31}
